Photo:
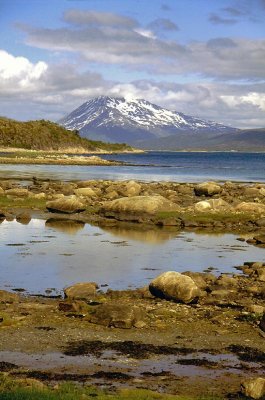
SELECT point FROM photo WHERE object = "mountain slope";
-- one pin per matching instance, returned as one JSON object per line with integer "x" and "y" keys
{"x": 241, "y": 140}
{"x": 46, "y": 135}
{"x": 136, "y": 122}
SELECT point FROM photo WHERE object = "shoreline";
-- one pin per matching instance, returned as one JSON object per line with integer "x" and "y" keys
{"x": 155, "y": 342}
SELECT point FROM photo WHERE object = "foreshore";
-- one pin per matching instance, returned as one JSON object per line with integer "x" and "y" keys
{"x": 203, "y": 345}
{"x": 65, "y": 156}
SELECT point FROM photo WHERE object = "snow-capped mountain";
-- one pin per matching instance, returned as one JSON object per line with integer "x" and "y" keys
{"x": 135, "y": 122}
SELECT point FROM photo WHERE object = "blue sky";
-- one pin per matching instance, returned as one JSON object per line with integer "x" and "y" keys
{"x": 200, "y": 57}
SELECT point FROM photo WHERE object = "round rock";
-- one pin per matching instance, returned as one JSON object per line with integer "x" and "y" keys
{"x": 172, "y": 285}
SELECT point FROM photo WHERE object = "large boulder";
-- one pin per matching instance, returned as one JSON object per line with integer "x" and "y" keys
{"x": 212, "y": 204}
{"x": 207, "y": 189}
{"x": 67, "y": 205}
{"x": 137, "y": 205}
{"x": 254, "y": 388}
{"x": 172, "y": 285}
{"x": 81, "y": 291}
{"x": 118, "y": 315}
{"x": 251, "y": 207}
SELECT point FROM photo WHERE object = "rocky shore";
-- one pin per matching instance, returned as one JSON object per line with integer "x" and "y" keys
{"x": 220, "y": 207}
{"x": 191, "y": 333}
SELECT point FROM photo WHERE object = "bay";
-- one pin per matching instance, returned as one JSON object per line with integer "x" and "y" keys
{"x": 155, "y": 166}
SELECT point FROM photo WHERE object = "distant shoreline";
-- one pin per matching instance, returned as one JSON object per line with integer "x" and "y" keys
{"x": 60, "y": 157}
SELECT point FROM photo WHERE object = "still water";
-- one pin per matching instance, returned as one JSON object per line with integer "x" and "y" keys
{"x": 154, "y": 166}
{"x": 54, "y": 254}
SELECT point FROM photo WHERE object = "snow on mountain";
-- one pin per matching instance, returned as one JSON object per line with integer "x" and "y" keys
{"x": 118, "y": 120}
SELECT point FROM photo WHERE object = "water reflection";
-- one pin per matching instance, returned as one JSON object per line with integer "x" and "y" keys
{"x": 57, "y": 253}
{"x": 65, "y": 226}
{"x": 148, "y": 235}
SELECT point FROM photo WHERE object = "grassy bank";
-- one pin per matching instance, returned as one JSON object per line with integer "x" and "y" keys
{"x": 10, "y": 390}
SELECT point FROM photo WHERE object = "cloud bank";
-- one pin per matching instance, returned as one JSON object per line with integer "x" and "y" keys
{"x": 225, "y": 75}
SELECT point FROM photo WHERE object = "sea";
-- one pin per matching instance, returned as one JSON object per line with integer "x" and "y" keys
{"x": 155, "y": 166}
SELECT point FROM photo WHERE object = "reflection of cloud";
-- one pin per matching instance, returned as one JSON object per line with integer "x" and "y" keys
{"x": 65, "y": 226}
{"x": 151, "y": 236}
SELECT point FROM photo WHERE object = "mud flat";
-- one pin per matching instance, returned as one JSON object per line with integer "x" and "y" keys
{"x": 136, "y": 339}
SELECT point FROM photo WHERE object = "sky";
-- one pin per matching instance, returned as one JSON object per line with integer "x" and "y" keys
{"x": 204, "y": 58}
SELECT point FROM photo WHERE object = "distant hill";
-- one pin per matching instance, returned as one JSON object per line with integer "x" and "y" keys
{"x": 46, "y": 135}
{"x": 242, "y": 140}
{"x": 148, "y": 126}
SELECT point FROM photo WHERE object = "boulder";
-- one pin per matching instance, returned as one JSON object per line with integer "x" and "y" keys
{"x": 86, "y": 191}
{"x": 251, "y": 207}
{"x": 259, "y": 239}
{"x": 207, "y": 189}
{"x": 39, "y": 196}
{"x": 68, "y": 205}
{"x": 254, "y": 388}
{"x": 137, "y": 205}
{"x": 260, "y": 222}
{"x": 172, "y": 285}
{"x": 7, "y": 184}
{"x": 212, "y": 204}
{"x": 67, "y": 189}
{"x": 118, "y": 315}
{"x": 256, "y": 309}
{"x": 74, "y": 306}
{"x": 23, "y": 217}
{"x": 262, "y": 191}
{"x": 17, "y": 192}
{"x": 226, "y": 281}
{"x": 112, "y": 195}
{"x": 252, "y": 192}
{"x": 130, "y": 189}
{"x": 260, "y": 274}
{"x": 198, "y": 278}
{"x": 81, "y": 291}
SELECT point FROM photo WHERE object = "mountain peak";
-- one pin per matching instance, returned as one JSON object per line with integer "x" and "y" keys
{"x": 116, "y": 119}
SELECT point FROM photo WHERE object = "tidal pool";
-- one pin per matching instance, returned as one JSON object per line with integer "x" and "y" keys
{"x": 53, "y": 254}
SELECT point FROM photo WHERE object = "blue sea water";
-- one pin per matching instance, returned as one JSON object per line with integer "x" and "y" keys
{"x": 155, "y": 166}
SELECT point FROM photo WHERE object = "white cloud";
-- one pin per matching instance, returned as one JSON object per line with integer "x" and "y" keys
{"x": 145, "y": 32}
{"x": 112, "y": 39}
{"x": 253, "y": 98}
{"x": 20, "y": 69}
{"x": 38, "y": 90}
